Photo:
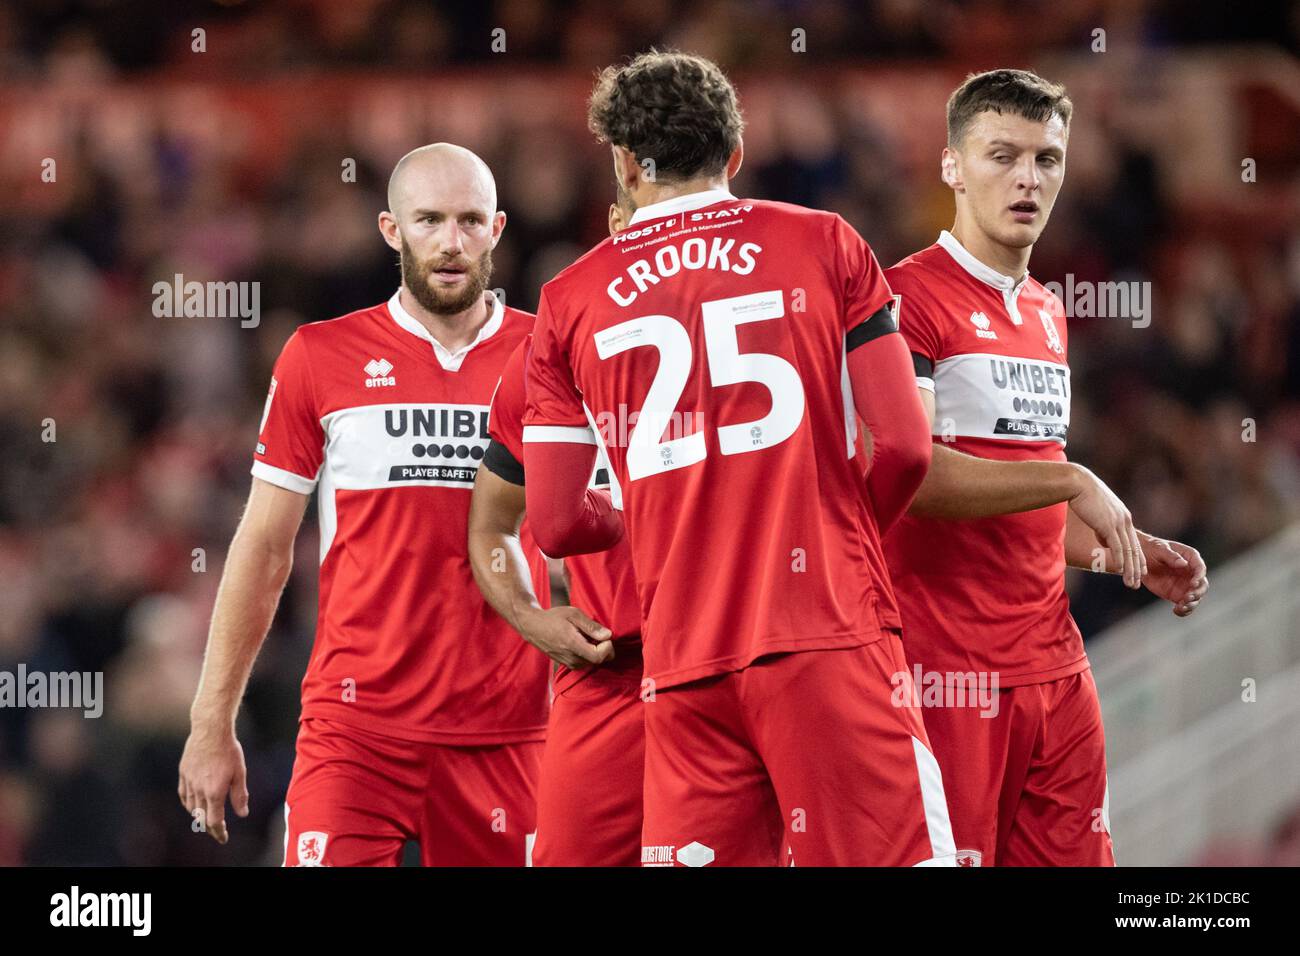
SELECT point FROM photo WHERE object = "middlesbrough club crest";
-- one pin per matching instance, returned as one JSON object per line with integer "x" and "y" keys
{"x": 311, "y": 848}
{"x": 1053, "y": 337}
{"x": 970, "y": 858}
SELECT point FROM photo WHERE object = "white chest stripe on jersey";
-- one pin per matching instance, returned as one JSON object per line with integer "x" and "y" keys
{"x": 403, "y": 445}
{"x": 980, "y": 395}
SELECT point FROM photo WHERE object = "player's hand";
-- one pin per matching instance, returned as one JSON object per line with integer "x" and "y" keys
{"x": 1175, "y": 572}
{"x": 212, "y": 766}
{"x": 1101, "y": 510}
{"x": 568, "y": 637}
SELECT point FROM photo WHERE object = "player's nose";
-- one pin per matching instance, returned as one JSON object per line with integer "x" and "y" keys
{"x": 1028, "y": 177}
{"x": 450, "y": 238}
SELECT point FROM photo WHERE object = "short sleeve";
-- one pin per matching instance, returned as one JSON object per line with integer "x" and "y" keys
{"x": 290, "y": 440}
{"x": 865, "y": 292}
{"x": 554, "y": 411}
{"x": 913, "y": 312}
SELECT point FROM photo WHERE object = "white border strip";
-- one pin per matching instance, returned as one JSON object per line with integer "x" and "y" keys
{"x": 568, "y": 434}
{"x": 283, "y": 479}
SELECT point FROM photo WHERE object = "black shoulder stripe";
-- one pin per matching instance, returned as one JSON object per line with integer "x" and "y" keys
{"x": 923, "y": 367}
{"x": 881, "y": 323}
{"x": 501, "y": 463}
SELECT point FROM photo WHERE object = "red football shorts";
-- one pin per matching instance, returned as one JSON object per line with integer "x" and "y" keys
{"x": 1027, "y": 787}
{"x": 355, "y": 798}
{"x": 589, "y": 795}
{"x": 806, "y": 758}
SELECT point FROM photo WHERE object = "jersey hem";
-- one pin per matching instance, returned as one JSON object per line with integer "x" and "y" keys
{"x": 951, "y": 678}
{"x": 725, "y": 665}
{"x": 343, "y": 714}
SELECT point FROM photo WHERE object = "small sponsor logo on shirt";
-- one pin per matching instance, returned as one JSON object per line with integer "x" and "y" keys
{"x": 693, "y": 854}
{"x": 710, "y": 214}
{"x": 981, "y": 323}
{"x": 377, "y": 370}
{"x": 657, "y": 855}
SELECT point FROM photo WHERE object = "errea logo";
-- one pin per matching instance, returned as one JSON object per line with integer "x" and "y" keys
{"x": 378, "y": 370}
{"x": 981, "y": 323}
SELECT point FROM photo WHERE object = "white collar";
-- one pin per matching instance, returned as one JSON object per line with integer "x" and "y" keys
{"x": 667, "y": 207}
{"x": 449, "y": 360}
{"x": 976, "y": 268}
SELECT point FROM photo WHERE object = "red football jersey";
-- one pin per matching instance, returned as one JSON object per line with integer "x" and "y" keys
{"x": 705, "y": 348}
{"x": 986, "y": 594}
{"x": 601, "y": 585}
{"x": 389, "y": 427}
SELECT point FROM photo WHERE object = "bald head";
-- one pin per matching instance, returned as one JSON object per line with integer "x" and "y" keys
{"x": 441, "y": 175}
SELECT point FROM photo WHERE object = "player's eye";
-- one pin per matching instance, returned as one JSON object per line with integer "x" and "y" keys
{"x": 1002, "y": 158}
{"x": 1047, "y": 160}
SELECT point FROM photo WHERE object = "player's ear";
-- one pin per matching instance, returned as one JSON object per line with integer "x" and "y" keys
{"x": 627, "y": 171}
{"x": 388, "y": 228}
{"x": 948, "y": 169}
{"x": 498, "y": 226}
{"x": 735, "y": 159}
{"x": 615, "y": 219}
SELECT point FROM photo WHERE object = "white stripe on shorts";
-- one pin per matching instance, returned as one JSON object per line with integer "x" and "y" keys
{"x": 943, "y": 850}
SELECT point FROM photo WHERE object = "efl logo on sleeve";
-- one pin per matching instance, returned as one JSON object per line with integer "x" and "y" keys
{"x": 266, "y": 409}
{"x": 895, "y": 306}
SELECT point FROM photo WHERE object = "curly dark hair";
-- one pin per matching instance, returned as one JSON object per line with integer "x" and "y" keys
{"x": 1018, "y": 92}
{"x": 674, "y": 108}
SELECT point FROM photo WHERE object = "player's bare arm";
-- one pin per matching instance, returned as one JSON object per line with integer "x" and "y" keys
{"x": 960, "y": 486}
{"x": 564, "y": 634}
{"x": 1174, "y": 571}
{"x": 257, "y": 567}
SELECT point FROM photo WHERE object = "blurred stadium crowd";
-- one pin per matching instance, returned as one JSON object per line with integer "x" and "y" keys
{"x": 167, "y": 165}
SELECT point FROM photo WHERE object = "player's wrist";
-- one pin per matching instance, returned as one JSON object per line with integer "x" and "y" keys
{"x": 212, "y": 722}
{"x": 1076, "y": 480}
{"x": 528, "y": 618}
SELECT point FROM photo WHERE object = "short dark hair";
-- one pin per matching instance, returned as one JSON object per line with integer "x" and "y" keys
{"x": 674, "y": 108}
{"x": 1018, "y": 92}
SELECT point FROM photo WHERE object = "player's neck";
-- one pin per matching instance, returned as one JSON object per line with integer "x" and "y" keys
{"x": 453, "y": 331}
{"x": 1005, "y": 259}
{"x": 652, "y": 193}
